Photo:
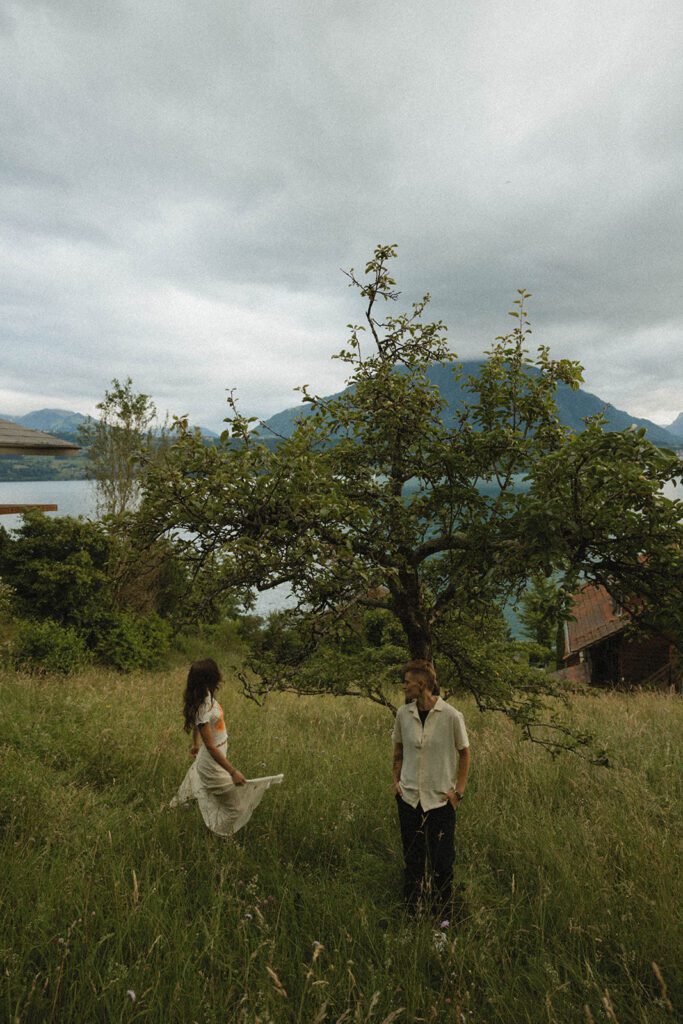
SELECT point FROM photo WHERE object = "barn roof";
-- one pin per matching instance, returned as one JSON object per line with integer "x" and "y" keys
{"x": 595, "y": 615}
{"x": 18, "y": 440}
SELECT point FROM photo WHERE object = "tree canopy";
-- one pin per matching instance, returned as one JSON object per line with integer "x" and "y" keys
{"x": 116, "y": 442}
{"x": 374, "y": 506}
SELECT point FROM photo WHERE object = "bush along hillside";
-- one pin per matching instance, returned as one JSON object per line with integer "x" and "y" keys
{"x": 64, "y": 607}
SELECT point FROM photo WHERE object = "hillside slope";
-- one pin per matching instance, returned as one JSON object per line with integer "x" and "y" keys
{"x": 573, "y": 407}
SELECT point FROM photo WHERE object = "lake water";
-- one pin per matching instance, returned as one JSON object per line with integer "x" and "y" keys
{"x": 77, "y": 498}
{"x": 74, "y": 497}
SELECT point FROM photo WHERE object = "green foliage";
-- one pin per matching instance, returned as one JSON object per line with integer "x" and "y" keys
{"x": 117, "y": 444}
{"x": 46, "y": 646}
{"x": 121, "y": 444}
{"x": 542, "y": 610}
{"x": 539, "y": 610}
{"x": 7, "y": 598}
{"x": 375, "y": 502}
{"x": 127, "y": 641}
{"x": 147, "y": 579}
{"x": 58, "y": 569}
{"x": 222, "y": 641}
{"x": 597, "y": 505}
{"x": 59, "y": 574}
{"x": 359, "y": 655}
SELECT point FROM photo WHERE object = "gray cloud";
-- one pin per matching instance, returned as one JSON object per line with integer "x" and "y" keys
{"x": 182, "y": 182}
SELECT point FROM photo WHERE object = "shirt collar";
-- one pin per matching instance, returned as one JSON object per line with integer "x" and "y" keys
{"x": 439, "y": 706}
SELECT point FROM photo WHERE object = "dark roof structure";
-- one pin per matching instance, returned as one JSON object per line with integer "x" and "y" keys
{"x": 18, "y": 440}
{"x": 596, "y": 615}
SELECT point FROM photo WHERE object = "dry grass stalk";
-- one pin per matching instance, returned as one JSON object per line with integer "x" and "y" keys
{"x": 393, "y": 1016}
{"x": 277, "y": 984}
{"x": 664, "y": 992}
{"x": 609, "y": 1009}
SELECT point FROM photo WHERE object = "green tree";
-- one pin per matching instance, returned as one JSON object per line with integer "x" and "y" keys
{"x": 116, "y": 444}
{"x": 55, "y": 576}
{"x": 374, "y": 502}
{"x": 58, "y": 570}
{"x": 125, "y": 439}
{"x": 541, "y": 613}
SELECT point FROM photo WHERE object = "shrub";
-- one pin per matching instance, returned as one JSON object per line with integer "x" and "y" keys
{"x": 127, "y": 641}
{"x": 221, "y": 641}
{"x": 58, "y": 569}
{"x": 47, "y": 646}
{"x": 6, "y": 599}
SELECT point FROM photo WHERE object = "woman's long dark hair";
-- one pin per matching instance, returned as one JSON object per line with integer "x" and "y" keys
{"x": 202, "y": 679}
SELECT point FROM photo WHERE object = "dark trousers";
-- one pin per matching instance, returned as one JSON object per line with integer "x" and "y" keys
{"x": 433, "y": 833}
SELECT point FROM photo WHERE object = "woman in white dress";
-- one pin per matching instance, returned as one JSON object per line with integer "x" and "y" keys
{"x": 226, "y": 799}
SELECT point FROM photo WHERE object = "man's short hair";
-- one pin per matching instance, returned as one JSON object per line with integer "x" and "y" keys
{"x": 424, "y": 668}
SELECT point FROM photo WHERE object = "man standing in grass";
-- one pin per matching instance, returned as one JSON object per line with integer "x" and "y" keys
{"x": 430, "y": 767}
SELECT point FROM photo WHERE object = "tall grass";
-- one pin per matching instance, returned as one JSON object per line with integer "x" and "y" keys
{"x": 115, "y": 908}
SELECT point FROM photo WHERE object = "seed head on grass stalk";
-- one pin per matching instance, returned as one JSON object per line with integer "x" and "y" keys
{"x": 277, "y": 984}
{"x": 664, "y": 994}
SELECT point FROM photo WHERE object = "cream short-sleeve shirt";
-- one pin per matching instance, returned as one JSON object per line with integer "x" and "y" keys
{"x": 430, "y": 752}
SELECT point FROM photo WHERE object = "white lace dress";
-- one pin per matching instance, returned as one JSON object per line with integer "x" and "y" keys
{"x": 225, "y": 807}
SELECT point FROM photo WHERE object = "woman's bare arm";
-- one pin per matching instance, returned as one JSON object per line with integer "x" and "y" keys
{"x": 196, "y": 740}
{"x": 220, "y": 758}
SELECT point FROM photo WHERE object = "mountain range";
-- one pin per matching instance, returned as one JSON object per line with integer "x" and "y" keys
{"x": 573, "y": 407}
{"x": 676, "y": 427}
{"x": 52, "y": 421}
{"x": 63, "y": 422}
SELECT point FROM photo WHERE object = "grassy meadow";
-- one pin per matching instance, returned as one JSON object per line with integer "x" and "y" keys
{"x": 115, "y": 908}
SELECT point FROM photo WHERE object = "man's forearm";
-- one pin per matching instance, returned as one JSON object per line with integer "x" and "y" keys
{"x": 396, "y": 765}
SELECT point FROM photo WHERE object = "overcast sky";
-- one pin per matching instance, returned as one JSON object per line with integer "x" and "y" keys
{"x": 181, "y": 183}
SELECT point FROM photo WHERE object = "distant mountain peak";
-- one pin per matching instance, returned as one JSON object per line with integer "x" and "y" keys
{"x": 573, "y": 407}
{"x": 57, "y": 421}
{"x": 676, "y": 427}
{"x": 51, "y": 421}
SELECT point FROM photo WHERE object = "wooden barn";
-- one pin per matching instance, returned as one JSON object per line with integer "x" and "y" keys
{"x": 18, "y": 440}
{"x": 598, "y": 650}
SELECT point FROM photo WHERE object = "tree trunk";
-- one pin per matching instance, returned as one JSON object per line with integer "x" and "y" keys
{"x": 415, "y": 625}
{"x": 420, "y": 647}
